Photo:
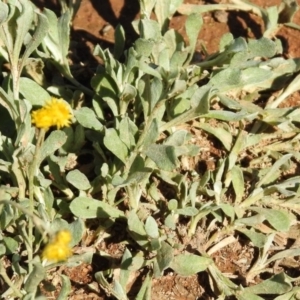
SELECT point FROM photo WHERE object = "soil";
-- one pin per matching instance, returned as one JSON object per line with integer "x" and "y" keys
{"x": 94, "y": 24}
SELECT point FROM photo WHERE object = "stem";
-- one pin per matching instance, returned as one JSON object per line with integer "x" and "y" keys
{"x": 9, "y": 282}
{"x": 32, "y": 172}
{"x": 15, "y": 78}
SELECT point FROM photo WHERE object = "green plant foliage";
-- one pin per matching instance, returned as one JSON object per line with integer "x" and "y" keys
{"x": 188, "y": 264}
{"x": 160, "y": 148}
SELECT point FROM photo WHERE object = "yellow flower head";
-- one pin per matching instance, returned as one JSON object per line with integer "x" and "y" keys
{"x": 58, "y": 249}
{"x": 56, "y": 112}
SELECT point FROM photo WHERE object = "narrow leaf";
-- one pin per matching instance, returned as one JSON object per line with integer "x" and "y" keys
{"x": 278, "y": 284}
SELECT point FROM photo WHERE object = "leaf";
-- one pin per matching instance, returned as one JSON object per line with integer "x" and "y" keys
{"x": 292, "y": 295}
{"x": 284, "y": 254}
{"x": 33, "y": 92}
{"x": 163, "y": 155}
{"x": 129, "y": 93}
{"x": 37, "y": 37}
{"x": 262, "y": 47}
{"x": 78, "y": 180}
{"x": 2, "y": 250}
{"x": 6, "y": 210}
{"x": 156, "y": 90}
{"x": 151, "y": 134}
{"x": 126, "y": 132}
{"x": 189, "y": 264}
{"x": 170, "y": 222}
{"x": 147, "y": 6}
{"x": 145, "y": 291}
{"x": 77, "y": 229}
{"x": 119, "y": 291}
{"x": 276, "y": 166}
{"x": 164, "y": 256}
{"x": 124, "y": 268}
{"x": 193, "y": 25}
{"x": 258, "y": 239}
{"x": 114, "y": 290}
{"x": 278, "y": 284}
{"x": 151, "y": 228}
{"x": 10, "y": 244}
{"x": 120, "y": 37}
{"x": 162, "y": 12}
{"x": 280, "y": 220}
{"x": 200, "y": 100}
{"x": 136, "y": 229}
{"x": 54, "y": 141}
{"x": 172, "y": 204}
{"x": 220, "y": 133}
{"x": 220, "y": 283}
{"x": 89, "y": 208}
{"x": 87, "y": 118}
{"x": 22, "y": 26}
{"x": 187, "y": 211}
{"x": 114, "y": 144}
{"x": 227, "y": 209}
{"x": 178, "y": 138}
{"x": 135, "y": 224}
{"x": 65, "y": 288}
{"x": 248, "y": 296}
{"x": 3, "y": 12}
{"x": 8, "y": 102}
{"x": 237, "y": 178}
{"x": 34, "y": 278}
{"x": 149, "y": 29}
{"x": 63, "y": 29}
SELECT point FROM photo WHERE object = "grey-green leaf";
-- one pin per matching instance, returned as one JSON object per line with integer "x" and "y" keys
{"x": 88, "y": 208}
{"x": 87, "y": 118}
{"x": 278, "y": 284}
{"x": 65, "y": 288}
{"x": 163, "y": 155}
{"x": 151, "y": 227}
{"x": 114, "y": 144}
{"x": 55, "y": 140}
{"x": 258, "y": 239}
{"x": 35, "y": 277}
{"x": 279, "y": 219}
{"x": 189, "y": 264}
{"x": 164, "y": 256}
{"x": 78, "y": 180}
{"x": 33, "y": 92}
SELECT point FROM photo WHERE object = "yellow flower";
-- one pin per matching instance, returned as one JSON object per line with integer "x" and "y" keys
{"x": 56, "y": 112}
{"x": 58, "y": 249}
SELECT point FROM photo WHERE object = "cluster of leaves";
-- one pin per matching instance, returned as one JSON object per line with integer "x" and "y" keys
{"x": 132, "y": 123}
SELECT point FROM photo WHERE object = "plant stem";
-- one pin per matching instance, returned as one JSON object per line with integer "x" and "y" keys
{"x": 9, "y": 282}
{"x": 36, "y": 220}
{"x": 33, "y": 170}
